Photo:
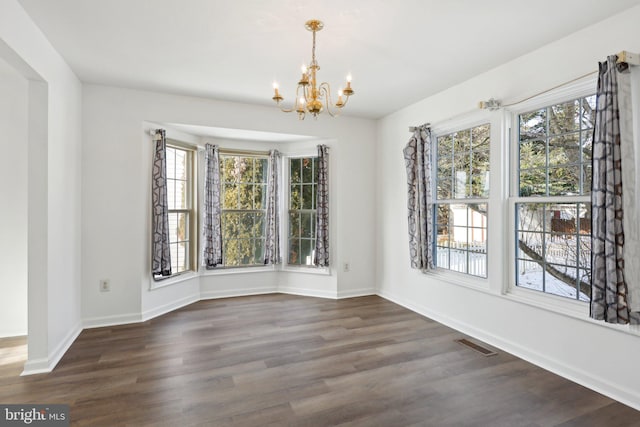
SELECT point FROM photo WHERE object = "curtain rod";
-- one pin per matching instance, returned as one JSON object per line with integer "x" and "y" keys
{"x": 415, "y": 128}
{"x": 231, "y": 151}
{"x": 623, "y": 56}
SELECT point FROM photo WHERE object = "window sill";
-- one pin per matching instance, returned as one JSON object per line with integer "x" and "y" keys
{"x": 236, "y": 270}
{"x": 177, "y": 278}
{"x": 460, "y": 279}
{"x": 322, "y": 271}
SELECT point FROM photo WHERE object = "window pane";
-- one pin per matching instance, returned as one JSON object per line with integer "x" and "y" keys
{"x": 561, "y": 168}
{"x": 294, "y": 224}
{"x": 181, "y": 194}
{"x": 259, "y": 196}
{"x": 229, "y": 173}
{"x": 445, "y": 146}
{"x": 171, "y": 194}
{"x": 245, "y": 192}
{"x": 307, "y": 170}
{"x": 171, "y": 163}
{"x": 442, "y": 257}
{"x": 564, "y": 181}
{"x": 458, "y": 260}
{"x": 564, "y": 149}
{"x": 588, "y": 112}
{"x": 295, "y": 197}
{"x": 533, "y": 125}
{"x": 533, "y": 154}
{"x": 551, "y": 248}
{"x": 181, "y": 165}
{"x": 306, "y": 249}
{"x": 295, "y": 170}
{"x": 294, "y": 251}
{"x": 462, "y": 141}
{"x": 306, "y": 227}
{"x": 230, "y": 197}
{"x": 564, "y": 117}
{"x": 533, "y": 182}
{"x": 244, "y": 166}
{"x": 258, "y": 250}
{"x": 480, "y": 137}
{"x": 307, "y": 196}
{"x": 462, "y": 166}
{"x": 260, "y": 170}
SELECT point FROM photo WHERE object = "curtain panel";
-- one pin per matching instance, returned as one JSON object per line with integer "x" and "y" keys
{"x": 417, "y": 157}
{"x": 321, "y": 256}
{"x": 211, "y": 215}
{"x": 160, "y": 252}
{"x": 609, "y": 293}
{"x": 272, "y": 232}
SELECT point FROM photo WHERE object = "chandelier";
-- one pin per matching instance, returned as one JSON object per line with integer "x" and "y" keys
{"x": 310, "y": 96}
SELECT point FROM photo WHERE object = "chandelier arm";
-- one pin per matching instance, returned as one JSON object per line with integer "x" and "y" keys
{"x": 324, "y": 87}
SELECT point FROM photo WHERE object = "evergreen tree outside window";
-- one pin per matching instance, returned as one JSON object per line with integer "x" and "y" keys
{"x": 244, "y": 189}
{"x": 553, "y": 209}
{"x": 301, "y": 236}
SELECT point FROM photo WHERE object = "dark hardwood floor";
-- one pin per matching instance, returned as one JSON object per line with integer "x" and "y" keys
{"x": 296, "y": 361}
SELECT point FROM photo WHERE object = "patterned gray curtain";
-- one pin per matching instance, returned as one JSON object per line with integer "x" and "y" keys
{"x": 161, "y": 255}
{"x": 608, "y": 289}
{"x": 272, "y": 232}
{"x": 321, "y": 257}
{"x": 417, "y": 157}
{"x": 211, "y": 217}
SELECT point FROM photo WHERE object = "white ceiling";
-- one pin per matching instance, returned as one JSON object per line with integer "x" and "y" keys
{"x": 397, "y": 51}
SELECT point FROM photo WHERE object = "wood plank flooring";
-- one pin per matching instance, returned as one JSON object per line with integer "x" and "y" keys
{"x": 285, "y": 360}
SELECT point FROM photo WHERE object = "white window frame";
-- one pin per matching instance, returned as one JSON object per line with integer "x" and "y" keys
{"x": 463, "y": 122}
{"x": 582, "y": 88}
{"x": 284, "y": 215}
{"x": 192, "y": 217}
{"x": 239, "y": 153}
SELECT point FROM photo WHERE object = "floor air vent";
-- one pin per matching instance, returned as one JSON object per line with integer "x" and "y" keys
{"x": 473, "y": 346}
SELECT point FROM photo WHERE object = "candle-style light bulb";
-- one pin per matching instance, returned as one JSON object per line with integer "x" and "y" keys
{"x": 275, "y": 85}
{"x": 339, "y": 92}
{"x": 303, "y": 68}
{"x": 349, "y": 78}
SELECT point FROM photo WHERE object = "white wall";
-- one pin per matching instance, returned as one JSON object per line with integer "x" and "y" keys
{"x": 14, "y": 94}
{"x": 116, "y": 199}
{"x": 572, "y": 346}
{"x": 53, "y": 186}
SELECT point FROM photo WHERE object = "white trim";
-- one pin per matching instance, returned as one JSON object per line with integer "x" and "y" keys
{"x": 458, "y": 278}
{"x": 44, "y": 365}
{"x": 353, "y": 293}
{"x": 584, "y": 87}
{"x": 600, "y": 385}
{"x": 236, "y": 270}
{"x": 321, "y": 271}
{"x": 166, "y": 308}
{"x": 462, "y": 122}
{"x": 180, "y": 277}
{"x": 15, "y": 333}
{"x": 294, "y": 290}
{"x": 230, "y": 293}
{"x": 114, "y": 320}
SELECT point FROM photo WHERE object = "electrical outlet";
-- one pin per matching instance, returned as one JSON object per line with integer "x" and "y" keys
{"x": 346, "y": 267}
{"x": 105, "y": 286}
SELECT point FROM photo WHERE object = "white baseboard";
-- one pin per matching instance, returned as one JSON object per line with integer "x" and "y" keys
{"x": 44, "y": 365}
{"x": 118, "y": 319}
{"x": 12, "y": 334}
{"x": 166, "y": 308}
{"x": 627, "y": 396}
{"x": 352, "y": 293}
{"x": 230, "y": 293}
{"x": 294, "y": 290}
